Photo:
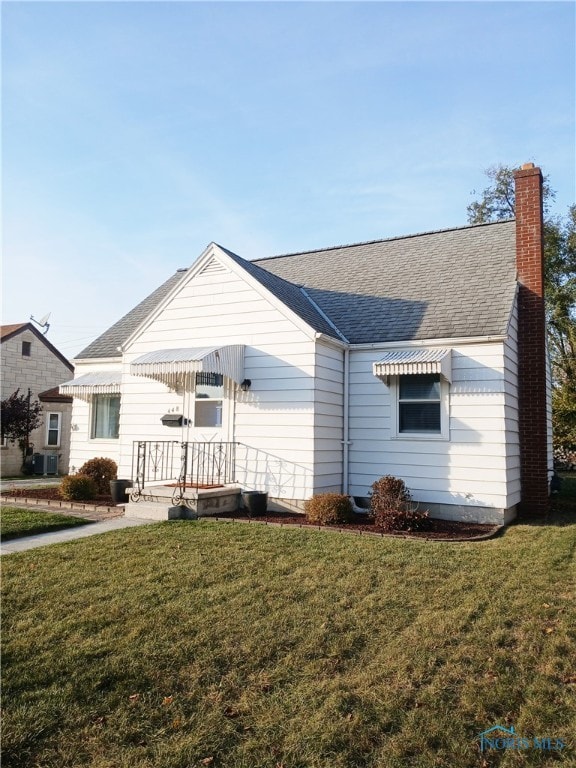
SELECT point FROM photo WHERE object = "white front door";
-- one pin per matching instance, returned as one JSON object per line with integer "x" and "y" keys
{"x": 207, "y": 410}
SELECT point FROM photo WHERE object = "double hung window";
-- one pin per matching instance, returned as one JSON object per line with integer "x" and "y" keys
{"x": 53, "y": 429}
{"x": 419, "y": 404}
{"x": 105, "y": 417}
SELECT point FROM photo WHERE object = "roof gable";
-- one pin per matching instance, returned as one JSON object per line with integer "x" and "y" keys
{"x": 291, "y": 295}
{"x": 9, "y": 331}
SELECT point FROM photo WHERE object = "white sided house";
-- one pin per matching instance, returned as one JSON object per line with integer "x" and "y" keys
{"x": 421, "y": 357}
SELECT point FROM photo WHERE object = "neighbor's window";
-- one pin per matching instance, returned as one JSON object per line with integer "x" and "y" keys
{"x": 53, "y": 428}
{"x": 419, "y": 404}
{"x": 209, "y": 398}
{"x": 105, "y": 416}
{"x": 26, "y": 348}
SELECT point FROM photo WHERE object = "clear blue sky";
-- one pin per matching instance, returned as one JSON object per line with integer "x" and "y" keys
{"x": 136, "y": 133}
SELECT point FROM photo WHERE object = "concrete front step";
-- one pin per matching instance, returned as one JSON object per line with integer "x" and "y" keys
{"x": 156, "y": 504}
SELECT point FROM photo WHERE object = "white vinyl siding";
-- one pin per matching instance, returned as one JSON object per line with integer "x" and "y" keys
{"x": 82, "y": 447}
{"x": 273, "y": 421}
{"x": 328, "y": 418}
{"x": 470, "y": 469}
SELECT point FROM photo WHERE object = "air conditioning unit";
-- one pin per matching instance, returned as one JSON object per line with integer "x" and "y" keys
{"x": 38, "y": 463}
{"x": 52, "y": 464}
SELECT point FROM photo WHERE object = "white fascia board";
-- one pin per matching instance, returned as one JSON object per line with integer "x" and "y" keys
{"x": 330, "y": 341}
{"x": 95, "y": 360}
{"x": 208, "y": 253}
{"x": 415, "y": 343}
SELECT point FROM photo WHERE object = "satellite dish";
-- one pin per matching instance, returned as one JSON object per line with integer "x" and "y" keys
{"x": 43, "y": 323}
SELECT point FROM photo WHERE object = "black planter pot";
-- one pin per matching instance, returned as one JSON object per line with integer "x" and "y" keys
{"x": 118, "y": 490}
{"x": 255, "y": 502}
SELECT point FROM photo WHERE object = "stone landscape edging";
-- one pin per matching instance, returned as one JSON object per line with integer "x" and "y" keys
{"x": 496, "y": 530}
{"x": 53, "y": 503}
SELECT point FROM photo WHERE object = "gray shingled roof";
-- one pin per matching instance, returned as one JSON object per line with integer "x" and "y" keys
{"x": 445, "y": 284}
{"x": 107, "y": 344}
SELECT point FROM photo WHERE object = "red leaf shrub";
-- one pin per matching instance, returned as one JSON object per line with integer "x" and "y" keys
{"x": 391, "y": 506}
{"x": 101, "y": 470}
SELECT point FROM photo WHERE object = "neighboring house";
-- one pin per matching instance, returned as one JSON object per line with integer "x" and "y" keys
{"x": 31, "y": 362}
{"x": 421, "y": 356}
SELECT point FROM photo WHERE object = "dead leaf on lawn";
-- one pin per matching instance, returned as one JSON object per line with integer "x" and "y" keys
{"x": 134, "y": 697}
{"x": 167, "y": 700}
{"x": 207, "y": 761}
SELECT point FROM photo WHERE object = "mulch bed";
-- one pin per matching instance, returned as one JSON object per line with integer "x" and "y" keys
{"x": 52, "y": 494}
{"x": 437, "y": 530}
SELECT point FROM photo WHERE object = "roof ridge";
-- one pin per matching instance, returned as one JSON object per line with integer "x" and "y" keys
{"x": 383, "y": 240}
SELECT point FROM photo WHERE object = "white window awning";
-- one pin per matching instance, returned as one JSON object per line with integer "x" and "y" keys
{"x": 403, "y": 362}
{"x": 95, "y": 383}
{"x": 173, "y": 366}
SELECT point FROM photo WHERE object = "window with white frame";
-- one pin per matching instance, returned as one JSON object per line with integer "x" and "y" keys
{"x": 209, "y": 398}
{"x": 421, "y": 406}
{"x": 53, "y": 429}
{"x": 105, "y": 417}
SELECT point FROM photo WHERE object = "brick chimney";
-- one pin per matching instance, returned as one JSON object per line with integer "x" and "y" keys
{"x": 532, "y": 362}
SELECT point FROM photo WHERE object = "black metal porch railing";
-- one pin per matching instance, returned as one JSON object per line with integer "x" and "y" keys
{"x": 188, "y": 466}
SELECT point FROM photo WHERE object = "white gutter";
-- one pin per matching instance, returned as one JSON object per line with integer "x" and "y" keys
{"x": 452, "y": 342}
{"x": 346, "y": 410}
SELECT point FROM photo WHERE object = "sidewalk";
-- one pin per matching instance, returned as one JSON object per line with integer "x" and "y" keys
{"x": 69, "y": 534}
{"x": 105, "y": 518}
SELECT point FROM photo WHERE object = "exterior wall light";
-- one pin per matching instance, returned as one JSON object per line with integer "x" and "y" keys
{"x": 245, "y": 385}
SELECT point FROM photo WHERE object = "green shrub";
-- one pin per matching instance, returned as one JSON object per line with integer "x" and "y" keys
{"x": 78, "y": 488}
{"x": 392, "y": 509}
{"x": 101, "y": 470}
{"x": 326, "y": 508}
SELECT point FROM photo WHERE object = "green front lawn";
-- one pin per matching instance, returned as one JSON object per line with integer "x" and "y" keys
{"x": 16, "y": 522}
{"x": 233, "y": 645}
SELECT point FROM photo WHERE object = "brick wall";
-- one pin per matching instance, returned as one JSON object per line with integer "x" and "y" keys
{"x": 531, "y": 341}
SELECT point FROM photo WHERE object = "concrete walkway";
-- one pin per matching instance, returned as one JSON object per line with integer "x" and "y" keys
{"x": 69, "y": 534}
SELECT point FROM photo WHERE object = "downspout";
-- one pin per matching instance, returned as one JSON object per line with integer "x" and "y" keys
{"x": 346, "y": 430}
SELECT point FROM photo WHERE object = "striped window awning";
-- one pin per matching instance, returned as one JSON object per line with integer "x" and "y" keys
{"x": 96, "y": 383}
{"x": 403, "y": 362}
{"x": 174, "y": 366}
